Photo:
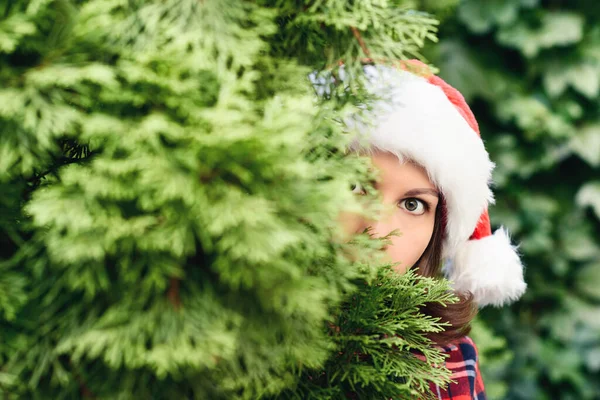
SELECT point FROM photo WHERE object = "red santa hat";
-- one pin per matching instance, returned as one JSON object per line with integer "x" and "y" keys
{"x": 422, "y": 118}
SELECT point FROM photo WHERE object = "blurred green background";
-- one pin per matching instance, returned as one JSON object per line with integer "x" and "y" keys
{"x": 531, "y": 72}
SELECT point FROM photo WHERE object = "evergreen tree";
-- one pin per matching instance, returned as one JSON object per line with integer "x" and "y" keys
{"x": 169, "y": 193}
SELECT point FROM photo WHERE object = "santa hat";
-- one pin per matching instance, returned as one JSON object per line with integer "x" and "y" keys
{"x": 421, "y": 118}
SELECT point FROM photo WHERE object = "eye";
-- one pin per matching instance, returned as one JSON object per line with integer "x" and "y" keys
{"x": 414, "y": 206}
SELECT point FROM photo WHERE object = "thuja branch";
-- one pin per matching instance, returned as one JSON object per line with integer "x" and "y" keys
{"x": 360, "y": 40}
{"x": 173, "y": 293}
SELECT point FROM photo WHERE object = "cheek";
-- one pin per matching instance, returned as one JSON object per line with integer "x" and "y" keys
{"x": 407, "y": 248}
{"x": 351, "y": 223}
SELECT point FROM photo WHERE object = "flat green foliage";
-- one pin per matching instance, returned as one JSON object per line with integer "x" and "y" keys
{"x": 169, "y": 192}
{"x": 531, "y": 73}
{"x": 377, "y": 337}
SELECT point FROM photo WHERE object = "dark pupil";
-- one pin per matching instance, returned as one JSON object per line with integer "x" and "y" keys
{"x": 411, "y": 205}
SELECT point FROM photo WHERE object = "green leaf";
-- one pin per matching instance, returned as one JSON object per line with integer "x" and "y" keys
{"x": 462, "y": 67}
{"x": 587, "y": 280}
{"x": 577, "y": 241}
{"x": 592, "y": 359}
{"x": 583, "y": 77}
{"x": 589, "y": 195}
{"x": 562, "y": 364}
{"x": 586, "y": 144}
{"x": 555, "y": 29}
{"x": 535, "y": 118}
{"x": 481, "y": 16}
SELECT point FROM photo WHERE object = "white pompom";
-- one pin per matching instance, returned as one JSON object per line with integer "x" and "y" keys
{"x": 490, "y": 269}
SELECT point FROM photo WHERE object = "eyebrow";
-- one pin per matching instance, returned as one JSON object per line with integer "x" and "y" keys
{"x": 416, "y": 192}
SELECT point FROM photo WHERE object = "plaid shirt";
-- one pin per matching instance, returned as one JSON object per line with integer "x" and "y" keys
{"x": 463, "y": 362}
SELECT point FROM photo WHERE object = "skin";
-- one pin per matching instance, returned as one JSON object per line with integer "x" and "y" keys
{"x": 412, "y": 198}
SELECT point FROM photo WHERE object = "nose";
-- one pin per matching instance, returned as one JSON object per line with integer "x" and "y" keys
{"x": 354, "y": 223}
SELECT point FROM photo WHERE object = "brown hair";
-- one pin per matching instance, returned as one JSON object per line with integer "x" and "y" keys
{"x": 460, "y": 314}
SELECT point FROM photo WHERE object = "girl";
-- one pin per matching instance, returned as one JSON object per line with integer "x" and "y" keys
{"x": 434, "y": 169}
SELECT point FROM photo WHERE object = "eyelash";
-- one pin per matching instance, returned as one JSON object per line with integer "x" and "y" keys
{"x": 425, "y": 204}
{"x": 357, "y": 188}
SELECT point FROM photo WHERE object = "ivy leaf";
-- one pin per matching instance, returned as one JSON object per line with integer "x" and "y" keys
{"x": 578, "y": 244}
{"x": 590, "y": 47}
{"x": 561, "y": 324}
{"x": 583, "y": 77}
{"x": 592, "y": 359}
{"x": 469, "y": 75}
{"x": 587, "y": 280}
{"x": 533, "y": 116}
{"x": 586, "y": 144}
{"x": 481, "y": 16}
{"x": 555, "y": 29}
{"x": 563, "y": 364}
{"x": 589, "y": 195}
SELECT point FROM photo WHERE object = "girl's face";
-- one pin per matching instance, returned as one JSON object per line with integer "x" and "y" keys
{"x": 407, "y": 188}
